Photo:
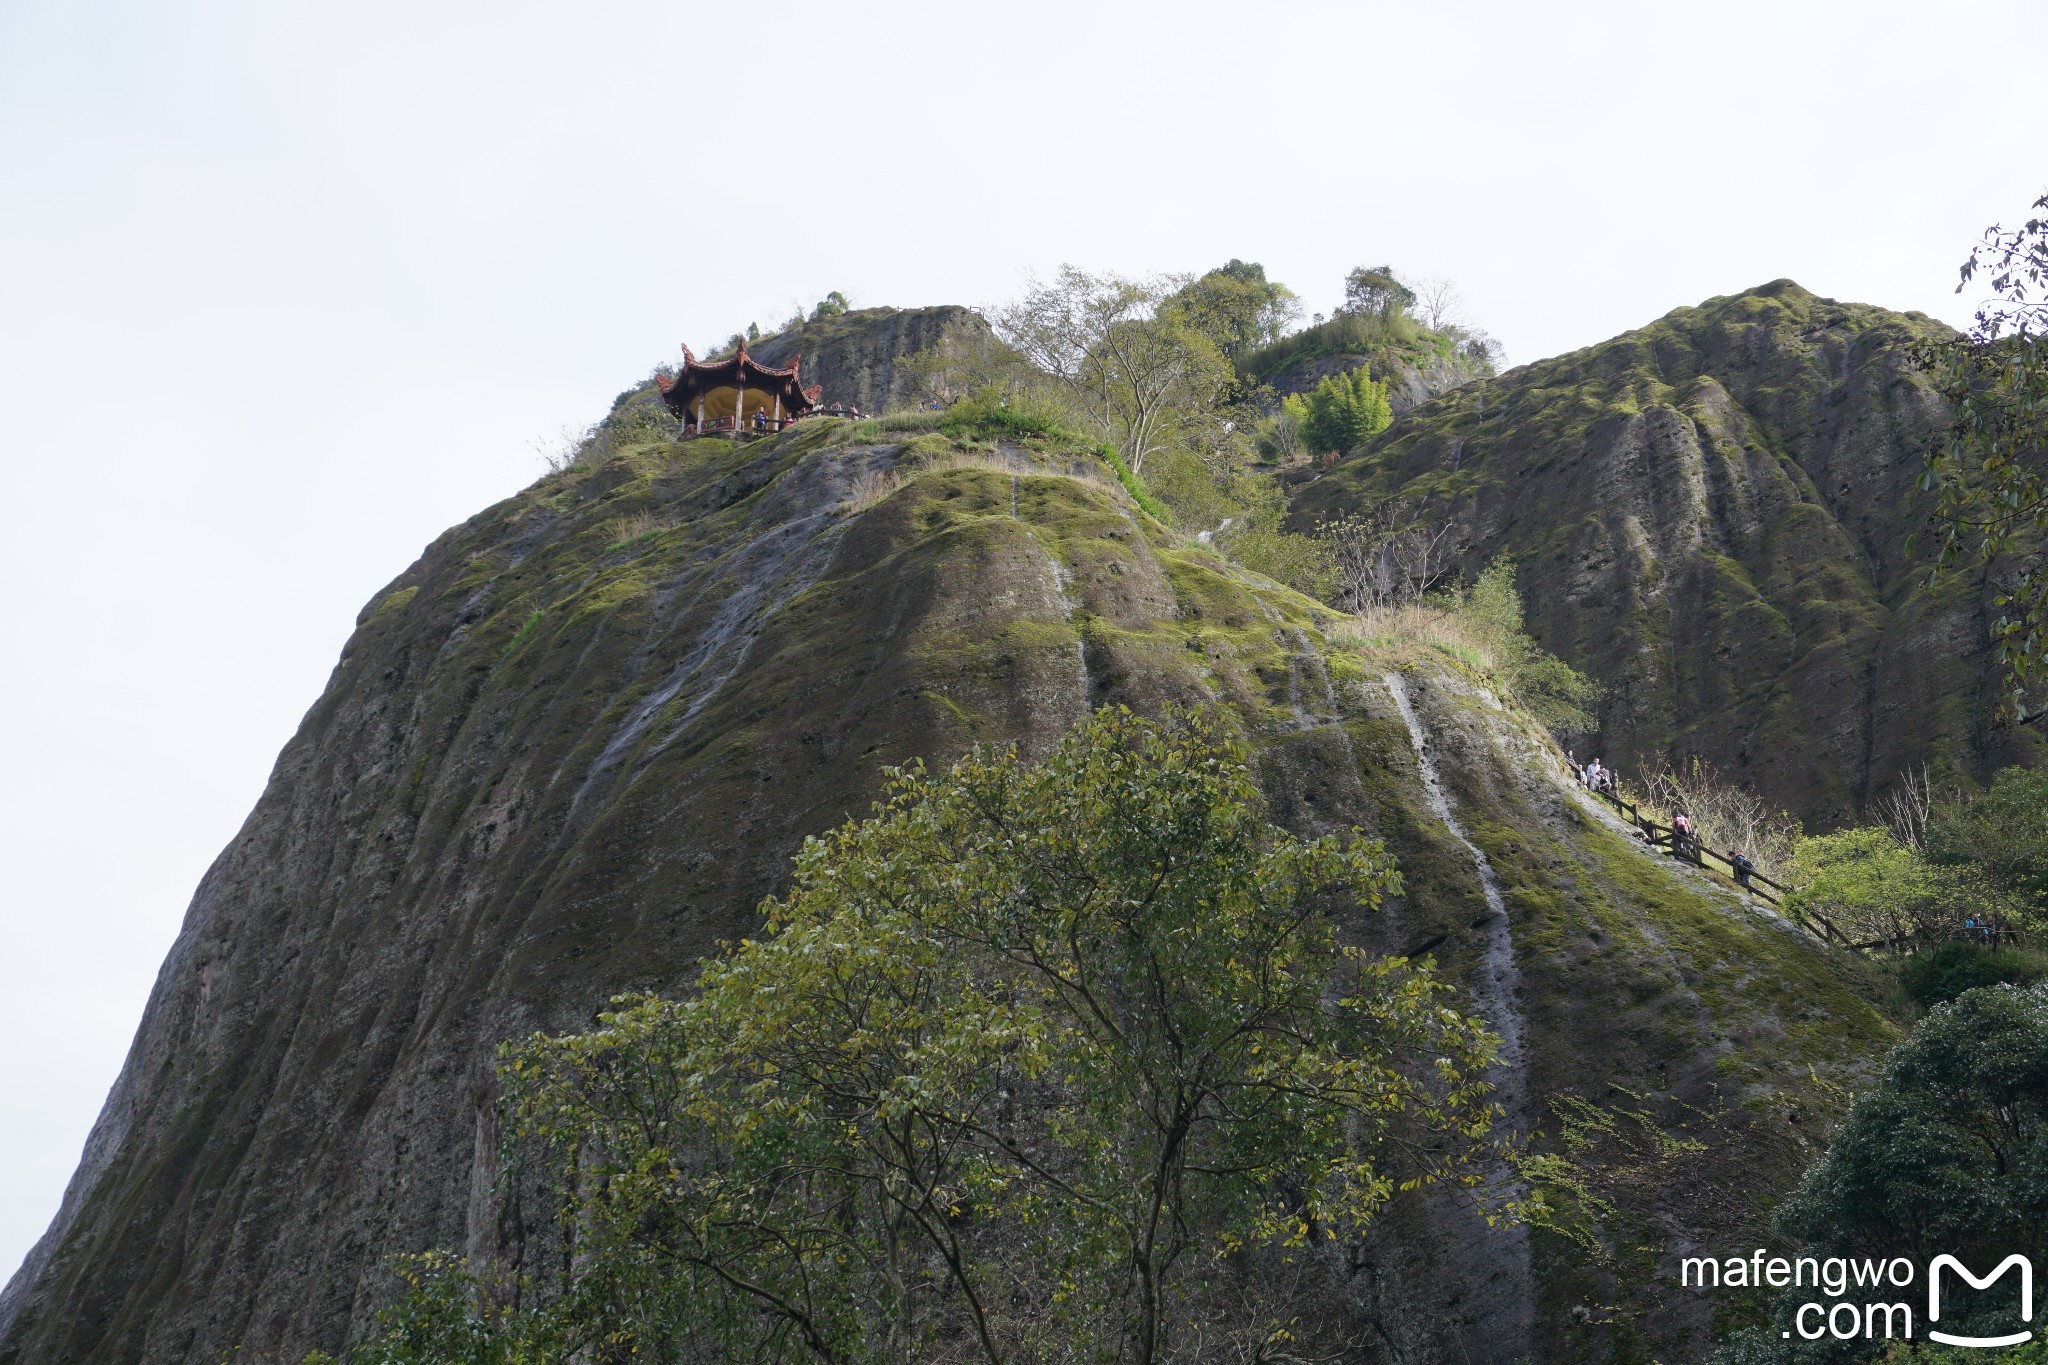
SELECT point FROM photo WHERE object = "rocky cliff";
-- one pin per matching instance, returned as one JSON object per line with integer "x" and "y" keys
{"x": 568, "y": 750}
{"x": 855, "y": 354}
{"x": 1714, "y": 516}
{"x": 1410, "y": 381}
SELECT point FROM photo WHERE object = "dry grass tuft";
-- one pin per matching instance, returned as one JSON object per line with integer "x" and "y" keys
{"x": 623, "y": 530}
{"x": 1413, "y": 623}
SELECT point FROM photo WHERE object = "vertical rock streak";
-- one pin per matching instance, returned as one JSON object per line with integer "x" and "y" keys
{"x": 1507, "y": 1312}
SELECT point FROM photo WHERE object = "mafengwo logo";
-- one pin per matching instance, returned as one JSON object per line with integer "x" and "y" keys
{"x": 2015, "y": 1261}
{"x": 1850, "y": 1316}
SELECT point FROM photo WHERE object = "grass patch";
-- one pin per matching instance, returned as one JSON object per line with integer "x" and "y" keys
{"x": 983, "y": 422}
{"x": 525, "y": 630}
{"x": 1135, "y": 486}
{"x": 394, "y": 601}
{"x": 1399, "y": 629}
{"x": 628, "y": 530}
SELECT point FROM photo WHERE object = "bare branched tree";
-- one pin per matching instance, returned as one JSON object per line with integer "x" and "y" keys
{"x": 1909, "y": 806}
{"x": 1729, "y": 818}
{"x": 1387, "y": 554}
{"x": 1438, "y": 304}
{"x": 563, "y": 450}
{"x": 1121, "y": 351}
{"x": 968, "y": 359}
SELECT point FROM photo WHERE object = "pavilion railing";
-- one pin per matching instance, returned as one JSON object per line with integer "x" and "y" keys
{"x": 759, "y": 426}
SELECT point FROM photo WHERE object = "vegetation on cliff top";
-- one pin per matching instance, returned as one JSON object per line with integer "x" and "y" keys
{"x": 1383, "y": 323}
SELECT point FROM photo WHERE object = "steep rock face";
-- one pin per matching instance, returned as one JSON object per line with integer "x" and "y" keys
{"x": 567, "y": 752}
{"x": 1409, "y": 384}
{"x": 855, "y": 355}
{"x": 1711, "y": 516}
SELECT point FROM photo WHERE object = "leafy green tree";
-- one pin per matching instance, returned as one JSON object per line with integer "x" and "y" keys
{"x": 1017, "y": 1061}
{"x": 831, "y": 306}
{"x": 1555, "y": 693}
{"x": 1237, "y": 307}
{"x": 1949, "y": 1152}
{"x": 1946, "y": 1154}
{"x": 451, "y": 1315}
{"x": 1861, "y": 885}
{"x": 2003, "y": 830}
{"x": 1373, "y": 290}
{"x": 1992, "y": 474}
{"x": 1345, "y": 411}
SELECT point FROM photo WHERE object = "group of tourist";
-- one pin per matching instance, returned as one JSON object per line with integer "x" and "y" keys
{"x": 1593, "y": 776}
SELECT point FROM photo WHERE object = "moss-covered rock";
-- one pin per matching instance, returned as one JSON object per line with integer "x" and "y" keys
{"x": 1714, "y": 515}
{"x": 557, "y": 761}
{"x": 855, "y": 355}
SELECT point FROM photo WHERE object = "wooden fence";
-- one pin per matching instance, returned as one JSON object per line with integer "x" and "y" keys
{"x": 1983, "y": 929}
{"x": 1689, "y": 849}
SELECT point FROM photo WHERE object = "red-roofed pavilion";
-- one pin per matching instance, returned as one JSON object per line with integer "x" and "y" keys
{"x": 736, "y": 394}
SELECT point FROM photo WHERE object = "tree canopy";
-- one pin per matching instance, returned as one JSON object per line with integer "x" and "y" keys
{"x": 2003, "y": 830}
{"x": 1947, "y": 1154}
{"x": 1237, "y": 307}
{"x": 1949, "y": 1151}
{"x": 1992, "y": 473}
{"x": 1039, "y": 1061}
{"x": 1374, "y": 289}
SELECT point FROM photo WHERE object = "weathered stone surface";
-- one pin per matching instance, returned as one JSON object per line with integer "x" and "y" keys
{"x": 567, "y": 752}
{"x": 855, "y": 355}
{"x": 1712, "y": 516}
{"x": 1408, "y": 384}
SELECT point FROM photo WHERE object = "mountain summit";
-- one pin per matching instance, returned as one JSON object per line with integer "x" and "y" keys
{"x": 1715, "y": 516}
{"x": 569, "y": 750}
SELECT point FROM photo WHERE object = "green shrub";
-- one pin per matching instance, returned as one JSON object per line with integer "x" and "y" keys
{"x": 1553, "y": 691}
{"x": 1135, "y": 486}
{"x": 999, "y": 422}
{"x": 1343, "y": 412}
{"x": 1933, "y": 978}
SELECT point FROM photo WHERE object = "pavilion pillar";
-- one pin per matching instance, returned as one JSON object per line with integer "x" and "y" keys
{"x": 739, "y": 404}
{"x": 778, "y": 411}
{"x": 700, "y": 414}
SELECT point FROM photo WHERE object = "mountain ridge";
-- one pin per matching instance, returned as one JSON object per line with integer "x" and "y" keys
{"x": 568, "y": 751}
{"x": 1712, "y": 515}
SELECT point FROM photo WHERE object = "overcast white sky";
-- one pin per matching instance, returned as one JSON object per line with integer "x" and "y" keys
{"x": 286, "y": 289}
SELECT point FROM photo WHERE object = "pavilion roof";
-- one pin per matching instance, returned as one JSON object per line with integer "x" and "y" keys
{"x": 738, "y": 370}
